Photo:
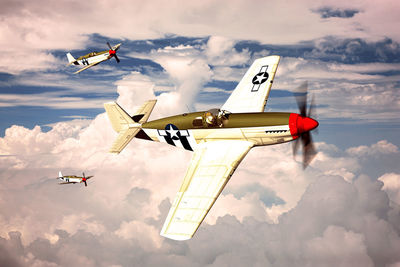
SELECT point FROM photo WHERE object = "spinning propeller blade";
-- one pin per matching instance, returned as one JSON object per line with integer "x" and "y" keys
{"x": 84, "y": 178}
{"x": 114, "y": 54}
{"x": 305, "y": 138}
{"x": 109, "y": 46}
{"x": 116, "y": 58}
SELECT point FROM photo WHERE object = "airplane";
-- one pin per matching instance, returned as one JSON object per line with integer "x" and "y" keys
{"x": 73, "y": 179}
{"x": 94, "y": 58}
{"x": 219, "y": 138}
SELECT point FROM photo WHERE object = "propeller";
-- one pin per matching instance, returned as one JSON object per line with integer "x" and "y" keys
{"x": 113, "y": 52}
{"x": 307, "y": 124}
{"x": 84, "y": 178}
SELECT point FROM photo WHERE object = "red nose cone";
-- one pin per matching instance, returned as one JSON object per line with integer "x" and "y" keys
{"x": 299, "y": 124}
{"x": 111, "y": 52}
{"x": 308, "y": 124}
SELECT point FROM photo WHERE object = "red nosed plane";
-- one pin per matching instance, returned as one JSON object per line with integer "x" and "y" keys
{"x": 73, "y": 179}
{"x": 219, "y": 138}
{"x": 94, "y": 58}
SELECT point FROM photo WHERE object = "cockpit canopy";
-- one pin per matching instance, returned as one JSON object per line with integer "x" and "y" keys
{"x": 211, "y": 118}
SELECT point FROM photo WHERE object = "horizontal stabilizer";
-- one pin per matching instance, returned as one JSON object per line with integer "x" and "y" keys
{"x": 126, "y": 126}
{"x": 123, "y": 139}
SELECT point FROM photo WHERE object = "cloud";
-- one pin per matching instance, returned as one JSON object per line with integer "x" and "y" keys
{"x": 187, "y": 69}
{"x": 51, "y": 100}
{"x": 381, "y": 147}
{"x": 391, "y": 185}
{"x": 271, "y": 213}
{"x": 361, "y": 93}
{"x": 338, "y": 247}
{"x": 36, "y": 28}
{"x": 270, "y": 209}
{"x": 335, "y": 222}
{"x": 221, "y": 52}
{"x": 355, "y": 50}
{"x": 350, "y": 93}
{"x": 328, "y": 12}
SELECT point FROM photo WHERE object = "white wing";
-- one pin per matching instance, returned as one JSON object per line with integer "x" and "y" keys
{"x": 212, "y": 165}
{"x": 89, "y": 66}
{"x": 251, "y": 94}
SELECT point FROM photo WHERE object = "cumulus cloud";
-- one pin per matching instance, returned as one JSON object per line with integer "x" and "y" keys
{"x": 188, "y": 71}
{"x": 335, "y": 222}
{"x": 380, "y": 148}
{"x": 391, "y": 184}
{"x": 270, "y": 210}
{"x": 32, "y": 29}
{"x": 338, "y": 247}
{"x": 221, "y": 52}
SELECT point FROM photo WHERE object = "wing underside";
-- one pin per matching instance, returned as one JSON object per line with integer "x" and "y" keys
{"x": 212, "y": 165}
{"x": 251, "y": 94}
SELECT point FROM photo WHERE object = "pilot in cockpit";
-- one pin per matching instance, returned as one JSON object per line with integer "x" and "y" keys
{"x": 215, "y": 117}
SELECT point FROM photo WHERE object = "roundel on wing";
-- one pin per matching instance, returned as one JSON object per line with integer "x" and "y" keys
{"x": 260, "y": 78}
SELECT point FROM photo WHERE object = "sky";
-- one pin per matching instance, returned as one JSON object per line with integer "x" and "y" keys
{"x": 343, "y": 210}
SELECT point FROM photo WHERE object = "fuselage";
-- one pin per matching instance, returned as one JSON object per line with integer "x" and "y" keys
{"x": 71, "y": 179}
{"x": 93, "y": 57}
{"x": 189, "y": 129}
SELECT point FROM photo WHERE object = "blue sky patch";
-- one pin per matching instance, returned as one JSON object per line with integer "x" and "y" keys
{"x": 266, "y": 195}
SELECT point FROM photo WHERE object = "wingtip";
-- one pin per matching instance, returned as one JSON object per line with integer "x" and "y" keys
{"x": 176, "y": 237}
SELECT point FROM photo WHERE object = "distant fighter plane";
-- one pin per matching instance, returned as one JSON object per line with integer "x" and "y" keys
{"x": 73, "y": 179}
{"x": 220, "y": 139}
{"x": 94, "y": 58}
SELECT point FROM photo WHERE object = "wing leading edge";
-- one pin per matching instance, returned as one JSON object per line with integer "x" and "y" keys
{"x": 89, "y": 66}
{"x": 211, "y": 167}
{"x": 251, "y": 94}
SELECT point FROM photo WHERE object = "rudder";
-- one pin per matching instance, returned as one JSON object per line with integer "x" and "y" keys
{"x": 71, "y": 59}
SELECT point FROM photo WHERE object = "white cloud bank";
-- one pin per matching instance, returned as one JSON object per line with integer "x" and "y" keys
{"x": 116, "y": 219}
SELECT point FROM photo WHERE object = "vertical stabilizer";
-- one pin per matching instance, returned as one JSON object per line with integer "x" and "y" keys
{"x": 60, "y": 174}
{"x": 71, "y": 59}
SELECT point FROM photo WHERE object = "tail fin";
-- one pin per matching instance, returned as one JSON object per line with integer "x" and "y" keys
{"x": 71, "y": 59}
{"x": 125, "y": 125}
{"x": 60, "y": 174}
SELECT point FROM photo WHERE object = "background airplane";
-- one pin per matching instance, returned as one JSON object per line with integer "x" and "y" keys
{"x": 94, "y": 58}
{"x": 73, "y": 179}
{"x": 220, "y": 139}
